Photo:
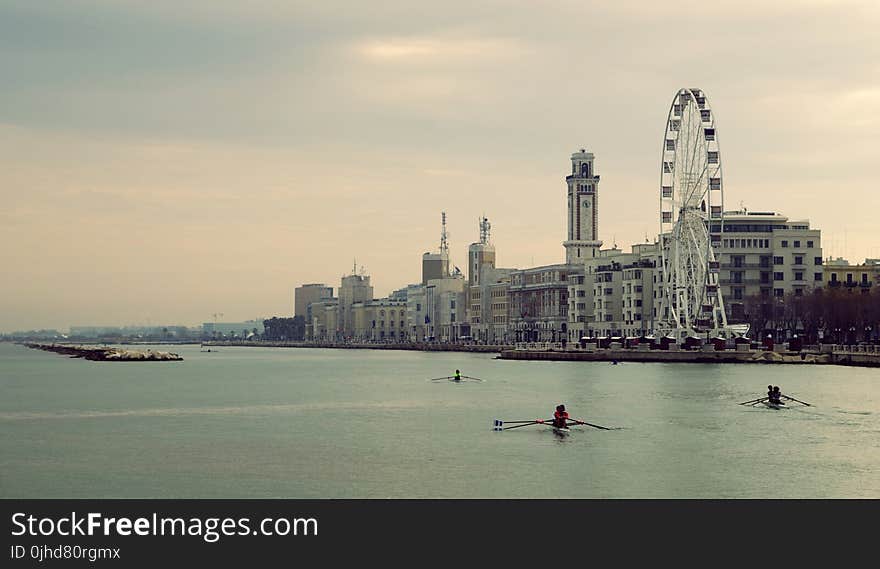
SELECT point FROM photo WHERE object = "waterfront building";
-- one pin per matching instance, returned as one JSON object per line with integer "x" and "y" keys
{"x": 353, "y": 288}
{"x": 616, "y": 295}
{"x": 417, "y": 312}
{"x": 487, "y": 291}
{"x": 839, "y": 273}
{"x": 324, "y": 322}
{"x": 538, "y": 299}
{"x": 379, "y": 320}
{"x": 445, "y": 309}
{"x": 765, "y": 254}
{"x": 306, "y": 294}
{"x": 303, "y": 298}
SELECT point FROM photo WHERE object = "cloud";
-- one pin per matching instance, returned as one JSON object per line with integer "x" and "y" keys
{"x": 422, "y": 51}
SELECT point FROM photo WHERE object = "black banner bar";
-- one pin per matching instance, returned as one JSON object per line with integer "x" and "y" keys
{"x": 130, "y": 533}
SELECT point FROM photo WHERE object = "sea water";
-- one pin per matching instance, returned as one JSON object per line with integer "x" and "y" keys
{"x": 321, "y": 423}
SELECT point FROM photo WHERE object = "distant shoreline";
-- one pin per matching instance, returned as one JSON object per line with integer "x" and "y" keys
{"x": 852, "y": 357}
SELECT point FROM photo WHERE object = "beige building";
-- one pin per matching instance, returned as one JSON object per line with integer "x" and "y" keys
{"x": 324, "y": 324}
{"x": 379, "y": 320}
{"x": 838, "y": 273}
{"x": 306, "y": 294}
{"x": 765, "y": 254}
{"x": 538, "y": 302}
{"x": 446, "y": 309}
{"x": 487, "y": 289}
{"x": 353, "y": 289}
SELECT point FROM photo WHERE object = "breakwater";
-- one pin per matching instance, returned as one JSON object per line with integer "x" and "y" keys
{"x": 107, "y": 353}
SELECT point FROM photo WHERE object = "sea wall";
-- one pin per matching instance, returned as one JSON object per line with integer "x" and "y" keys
{"x": 420, "y": 347}
{"x": 107, "y": 353}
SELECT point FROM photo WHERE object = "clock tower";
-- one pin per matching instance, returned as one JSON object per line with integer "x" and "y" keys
{"x": 583, "y": 209}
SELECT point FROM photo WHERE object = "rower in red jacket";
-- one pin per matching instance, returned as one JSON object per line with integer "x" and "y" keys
{"x": 560, "y": 417}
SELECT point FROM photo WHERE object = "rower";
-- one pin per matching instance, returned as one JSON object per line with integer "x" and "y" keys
{"x": 777, "y": 396}
{"x": 457, "y": 376}
{"x": 770, "y": 393}
{"x": 560, "y": 416}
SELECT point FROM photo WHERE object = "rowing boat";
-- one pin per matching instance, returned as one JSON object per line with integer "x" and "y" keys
{"x": 774, "y": 405}
{"x": 561, "y": 431}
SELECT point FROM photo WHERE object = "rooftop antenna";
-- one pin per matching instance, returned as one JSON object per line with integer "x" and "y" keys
{"x": 444, "y": 245}
{"x": 485, "y": 226}
{"x": 354, "y": 267}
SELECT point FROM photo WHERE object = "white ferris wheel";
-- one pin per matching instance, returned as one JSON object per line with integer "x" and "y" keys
{"x": 691, "y": 212}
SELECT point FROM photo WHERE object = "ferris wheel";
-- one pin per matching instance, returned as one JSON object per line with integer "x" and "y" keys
{"x": 691, "y": 212}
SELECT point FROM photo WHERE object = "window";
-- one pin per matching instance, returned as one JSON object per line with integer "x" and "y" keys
{"x": 778, "y": 276}
{"x": 765, "y": 277}
{"x": 784, "y": 243}
{"x": 452, "y": 304}
{"x": 817, "y": 260}
{"x": 797, "y": 244}
{"x": 809, "y": 244}
{"x": 798, "y": 260}
{"x": 777, "y": 260}
{"x": 817, "y": 277}
{"x": 737, "y": 276}
{"x": 798, "y": 275}
{"x": 737, "y": 293}
{"x": 778, "y": 292}
{"x": 799, "y": 292}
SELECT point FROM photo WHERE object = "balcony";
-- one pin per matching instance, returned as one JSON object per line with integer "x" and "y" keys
{"x": 743, "y": 266}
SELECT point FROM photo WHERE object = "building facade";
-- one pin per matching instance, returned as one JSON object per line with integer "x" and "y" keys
{"x": 353, "y": 289}
{"x": 765, "y": 254}
{"x": 839, "y": 274}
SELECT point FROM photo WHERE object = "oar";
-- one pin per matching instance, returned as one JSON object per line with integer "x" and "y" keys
{"x": 524, "y": 425}
{"x": 529, "y": 421}
{"x": 579, "y": 422}
{"x": 798, "y": 400}
{"x": 754, "y": 401}
{"x": 440, "y": 378}
{"x": 469, "y": 377}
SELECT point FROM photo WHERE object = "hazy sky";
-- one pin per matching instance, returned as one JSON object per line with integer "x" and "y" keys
{"x": 162, "y": 161}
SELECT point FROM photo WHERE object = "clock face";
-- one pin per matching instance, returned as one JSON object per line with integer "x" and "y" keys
{"x": 586, "y": 204}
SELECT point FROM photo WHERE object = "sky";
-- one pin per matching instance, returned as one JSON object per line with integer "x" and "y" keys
{"x": 164, "y": 161}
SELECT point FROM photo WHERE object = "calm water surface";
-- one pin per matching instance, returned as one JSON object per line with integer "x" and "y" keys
{"x": 312, "y": 423}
